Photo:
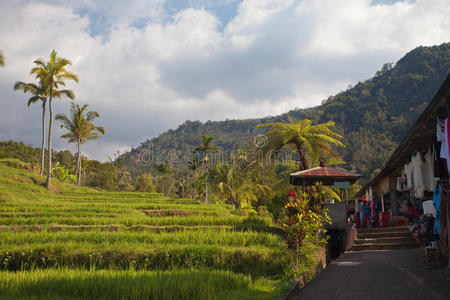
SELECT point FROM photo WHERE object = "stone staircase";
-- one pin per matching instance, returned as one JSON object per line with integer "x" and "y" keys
{"x": 384, "y": 238}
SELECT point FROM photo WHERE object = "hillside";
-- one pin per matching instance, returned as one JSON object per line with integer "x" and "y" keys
{"x": 373, "y": 116}
{"x": 90, "y": 244}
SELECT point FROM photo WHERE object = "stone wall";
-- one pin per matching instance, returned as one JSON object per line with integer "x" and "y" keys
{"x": 338, "y": 215}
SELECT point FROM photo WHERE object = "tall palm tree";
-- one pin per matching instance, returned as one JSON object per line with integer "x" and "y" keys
{"x": 193, "y": 164}
{"x": 204, "y": 148}
{"x": 80, "y": 129}
{"x": 2, "y": 59}
{"x": 39, "y": 93}
{"x": 309, "y": 141}
{"x": 53, "y": 73}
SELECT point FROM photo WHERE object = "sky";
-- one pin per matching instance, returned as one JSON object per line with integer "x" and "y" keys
{"x": 149, "y": 65}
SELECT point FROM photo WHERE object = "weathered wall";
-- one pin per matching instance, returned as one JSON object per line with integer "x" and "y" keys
{"x": 338, "y": 215}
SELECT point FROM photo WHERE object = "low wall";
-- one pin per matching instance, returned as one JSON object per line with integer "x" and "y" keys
{"x": 350, "y": 240}
{"x": 301, "y": 282}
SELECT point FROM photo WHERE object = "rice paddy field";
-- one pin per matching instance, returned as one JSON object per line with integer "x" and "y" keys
{"x": 83, "y": 243}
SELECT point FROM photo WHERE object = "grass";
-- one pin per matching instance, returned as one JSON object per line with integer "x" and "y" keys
{"x": 131, "y": 284}
{"x": 206, "y": 237}
{"x": 85, "y": 243}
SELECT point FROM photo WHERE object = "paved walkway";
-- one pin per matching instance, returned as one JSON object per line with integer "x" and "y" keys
{"x": 380, "y": 275}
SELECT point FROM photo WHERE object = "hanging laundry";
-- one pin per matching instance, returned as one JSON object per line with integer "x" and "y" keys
{"x": 442, "y": 133}
{"x": 419, "y": 182}
{"x": 408, "y": 170}
{"x": 437, "y": 195}
{"x": 447, "y": 136}
{"x": 428, "y": 171}
{"x": 440, "y": 168}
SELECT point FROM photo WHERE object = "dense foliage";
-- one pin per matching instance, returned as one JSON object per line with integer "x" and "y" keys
{"x": 108, "y": 175}
{"x": 372, "y": 116}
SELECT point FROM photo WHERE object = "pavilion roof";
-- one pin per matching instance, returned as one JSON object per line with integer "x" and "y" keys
{"x": 325, "y": 175}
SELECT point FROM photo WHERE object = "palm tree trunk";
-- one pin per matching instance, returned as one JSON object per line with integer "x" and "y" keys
{"x": 41, "y": 171}
{"x": 206, "y": 189}
{"x": 303, "y": 160}
{"x": 193, "y": 183}
{"x": 79, "y": 164}
{"x": 50, "y": 127}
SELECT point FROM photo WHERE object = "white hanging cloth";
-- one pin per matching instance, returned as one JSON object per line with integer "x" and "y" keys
{"x": 419, "y": 178}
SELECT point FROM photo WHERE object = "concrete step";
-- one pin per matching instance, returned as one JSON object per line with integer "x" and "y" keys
{"x": 384, "y": 246}
{"x": 384, "y": 240}
{"x": 384, "y": 229}
{"x": 387, "y": 234}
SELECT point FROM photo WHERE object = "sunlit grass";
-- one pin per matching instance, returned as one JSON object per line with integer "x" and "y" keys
{"x": 81, "y": 243}
{"x": 130, "y": 284}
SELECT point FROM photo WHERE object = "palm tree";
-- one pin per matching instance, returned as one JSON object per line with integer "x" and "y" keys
{"x": 53, "y": 73}
{"x": 205, "y": 147}
{"x": 2, "y": 59}
{"x": 39, "y": 93}
{"x": 236, "y": 186}
{"x": 193, "y": 164}
{"x": 309, "y": 141}
{"x": 80, "y": 129}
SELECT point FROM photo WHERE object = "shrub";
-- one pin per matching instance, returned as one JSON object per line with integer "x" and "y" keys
{"x": 144, "y": 183}
{"x": 62, "y": 174}
{"x": 304, "y": 222}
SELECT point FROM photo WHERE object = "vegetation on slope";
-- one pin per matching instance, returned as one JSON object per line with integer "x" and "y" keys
{"x": 59, "y": 244}
{"x": 372, "y": 116}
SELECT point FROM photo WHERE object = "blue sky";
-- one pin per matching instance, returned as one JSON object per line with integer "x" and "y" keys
{"x": 149, "y": 65}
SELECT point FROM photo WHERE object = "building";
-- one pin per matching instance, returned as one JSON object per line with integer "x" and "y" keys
{"x": 416, "y": 177}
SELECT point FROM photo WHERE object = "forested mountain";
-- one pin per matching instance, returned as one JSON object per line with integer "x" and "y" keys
{"x": 373, "y": 116}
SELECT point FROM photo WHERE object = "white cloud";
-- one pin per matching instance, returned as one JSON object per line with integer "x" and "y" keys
{"x": 153, "y": 71}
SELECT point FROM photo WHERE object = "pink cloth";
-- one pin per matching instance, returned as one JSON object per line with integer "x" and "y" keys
{"x": 413, "y": 212}
{"x": 447, "y": 132}
{"x": 372, "y": 208}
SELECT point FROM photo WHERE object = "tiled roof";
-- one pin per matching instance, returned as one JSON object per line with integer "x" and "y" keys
{"x": 324, "y": 172}
{"x": 325, "y": 175}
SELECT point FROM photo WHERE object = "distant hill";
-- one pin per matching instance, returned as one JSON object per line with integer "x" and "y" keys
{"x": 373, "y": 116}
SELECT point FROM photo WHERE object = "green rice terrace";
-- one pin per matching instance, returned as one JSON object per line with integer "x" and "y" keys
{"x": 84, "y": 243}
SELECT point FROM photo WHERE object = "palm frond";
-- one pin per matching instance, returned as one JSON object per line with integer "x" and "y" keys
{"x": 2, "y": 59}
{"x": 313, "y": 141}
{"x": 67, "y": 93}
{"x": 35, "y": 99}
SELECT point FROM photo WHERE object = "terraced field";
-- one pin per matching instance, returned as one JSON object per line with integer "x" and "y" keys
{"x": 83, "y": 243}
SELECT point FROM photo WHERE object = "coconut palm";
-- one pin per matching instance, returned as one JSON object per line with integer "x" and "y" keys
{"x": 40, "y": 93}
{"x": 309, "y": 141}
{"x": 80, "y": 129}
{"x": 204, "y": 148}
{"x": 53, "y": 73}
{"x": 2, "y": 59}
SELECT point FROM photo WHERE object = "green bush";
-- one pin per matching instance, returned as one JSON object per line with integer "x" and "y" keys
{"x": 144, "y": 183}
{"x": 62, "y": 174}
